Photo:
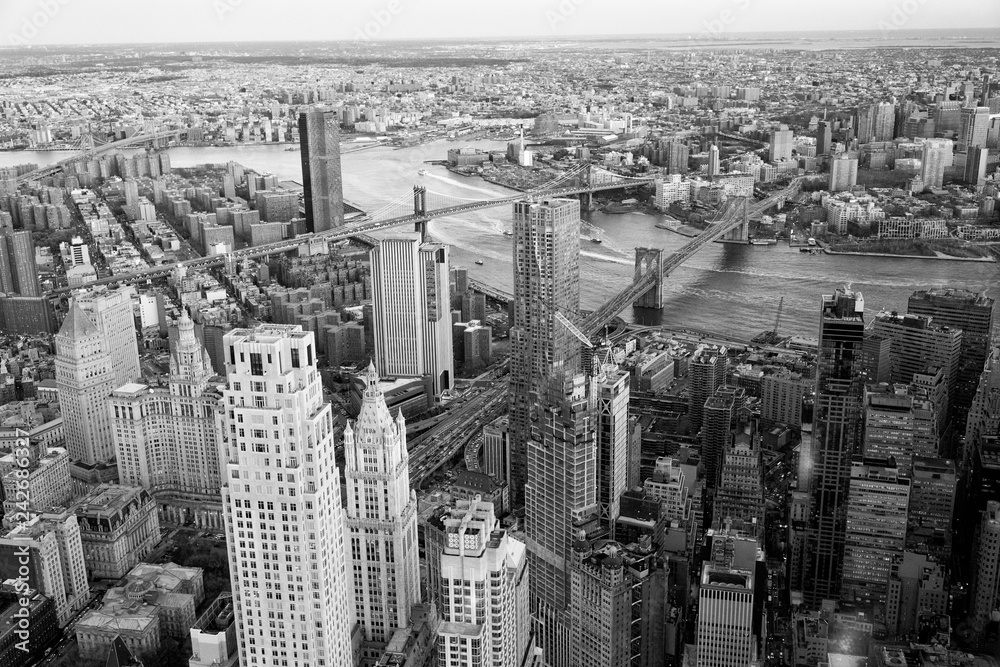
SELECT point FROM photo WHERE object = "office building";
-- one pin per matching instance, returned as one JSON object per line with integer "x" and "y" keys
{"x": 973, "y": 314}
{"x": 56, "y": 562}
{"x": 898, "y": 425}
{"x": 975, "y": 125}
{"x": 918, "y": 342}
{"x": 484, "y": 577}
{"x": 739, "y": 497}
{"x": 918, "y": 587}
{"x": 731, "y": 602}
{"x": 713, "y": 161}
{"x": 85, "y": 379}
{"x": 111, "y": 311}
{"x": 877, "y": 508}
{"x": 280, "y": 474}
{"x": 781, "y": 141}
{"x": 560, "y": 505}
{"x": 718, "y": 429}
{"x": 781, "y": 398}
{"x": 985, "y": 596}
{"x": 612, "y": 427}
{"x": 381, "y": 520}
{"x": 411, "y": 310}
{"x": 319, "y": 138}
{"x": 546, "y": 281}
{"x": 708, "y": 369}
{"x": 615, "y": 603}
{"x": 837, "y": 437}
{"x": 976, "y": 161}
{"x": 933, "y": 485}
{"x": 119, "y": 526}
{"x": 35, "y": 478}
{"x": 823, "y": 138}
{"x": 496, "y": 450}
{"x": 884, "y": 122}
{"x": 843, "y": 173}
{"x": 165, "y": 437}
{"x": 937, "y": 157}
{"x": 865, "y": 123}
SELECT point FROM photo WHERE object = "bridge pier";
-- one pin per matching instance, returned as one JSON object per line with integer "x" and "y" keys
{"x": 649, "y": 259}
{"x": 740, "y": 234}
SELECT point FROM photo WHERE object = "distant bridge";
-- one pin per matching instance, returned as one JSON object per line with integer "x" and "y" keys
{"x": 134, "y": 140}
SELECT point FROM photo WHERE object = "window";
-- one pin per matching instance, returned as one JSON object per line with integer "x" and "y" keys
{"x": 256, "y": 364}
{"x": 295, "y": 357}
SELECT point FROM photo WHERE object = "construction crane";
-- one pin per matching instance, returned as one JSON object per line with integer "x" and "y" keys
{"x": 573, "y": 330}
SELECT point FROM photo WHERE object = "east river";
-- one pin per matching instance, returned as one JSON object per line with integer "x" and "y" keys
{"x": 730, "y": 289}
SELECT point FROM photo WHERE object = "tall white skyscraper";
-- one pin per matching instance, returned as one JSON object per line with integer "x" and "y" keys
{"x": 729, "y": 616}
{"x": 781, "y": 144}
{"x": 96, "y": 352}
{"x": 284, "y": 519}
{"x": 381, "y": 519}
{"x": 411, "y": 302}
{"x": 166, "y": 439}
{"x": 485, "y": 619}
{"x": 936, "y": 157}
{"x": 713, "y": 160}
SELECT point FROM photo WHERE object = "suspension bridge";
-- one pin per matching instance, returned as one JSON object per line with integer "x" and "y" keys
{"x": 94, "y": 146}
{"x": 415, "y": 208}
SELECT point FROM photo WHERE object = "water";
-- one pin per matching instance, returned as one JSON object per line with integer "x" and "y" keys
{"x": 732, "y": 289}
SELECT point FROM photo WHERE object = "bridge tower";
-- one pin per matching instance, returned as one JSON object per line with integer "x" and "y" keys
{"x": 420, "y": 209}
{"x": 741, "y": 233}
{"x": 587, "y": 198}
{"x": 649, "y": 259}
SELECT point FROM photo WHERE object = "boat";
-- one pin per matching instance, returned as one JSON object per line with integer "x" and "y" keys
{"x": 479, "y": 262}
{"x": 663, "y": 225}
{"x": 421, "y": 172}
{"x": 507, "y": 232}
{"x": 763, "y": 241}
{"x": 596, "y": 241}
{"x": 626, "y": 206}
{"x": 811, "y": 241}
{"x": 293, "y": 149}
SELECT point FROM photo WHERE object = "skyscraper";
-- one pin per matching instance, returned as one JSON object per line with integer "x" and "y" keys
{"x": 381, "y": 519}
{"x": 84, "y": 381}
{"x": 975, "y": 164}
{"x": 937, "y": 156}
{"x": 836, "y": 438}
{"x": 781, "y": 144}
{"x": 865, "y": 123}
{"x": 843, "y": 173}
{"x": 713, "y": 161}
{"x": 932, "y": 506}
{"x": 546, "y": 281}
{"x": 986, "y": 568}
{"x": 560, "y": 505}
{"x": 111, "y": 311}
{"x": 823, "y": 138}
{"x": 412, "y": 309}
{"x": 899, "y": 425}
{"x": 281, "y": 479}
{"x": 740, "y": 494}
{"x": 884, "y": 122}
{"x": 708, "y": 369}
{"x": 319, "y": 137}
{"x": 973, "y": 314}
{"x": 166, "y": 440}
{"x": 730, "y": 602}
{"x": 919, "y": 342}
{"x": 975, "y": 127}
{"x": 612, "y": 386}
{"x": 484, "y": 589}
{"x": 876, "y": 528}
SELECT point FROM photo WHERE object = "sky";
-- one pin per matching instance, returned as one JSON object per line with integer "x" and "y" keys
{"x": 24, "y": 22}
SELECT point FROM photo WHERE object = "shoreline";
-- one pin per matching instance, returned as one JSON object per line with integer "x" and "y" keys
{"x": 981, "y": 260}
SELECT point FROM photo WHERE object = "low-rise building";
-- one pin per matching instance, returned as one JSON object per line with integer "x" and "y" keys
{"x": 118, "y": 526}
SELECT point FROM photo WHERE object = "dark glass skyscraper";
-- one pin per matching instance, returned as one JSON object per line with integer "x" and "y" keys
{"x": 837, "y": 437}
{"x": 319, "y": 136}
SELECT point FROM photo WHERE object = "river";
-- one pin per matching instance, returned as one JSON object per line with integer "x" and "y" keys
{"x": 731, "y": 289}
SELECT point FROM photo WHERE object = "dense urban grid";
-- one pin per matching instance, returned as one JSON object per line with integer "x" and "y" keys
{"x": 252, "y": 420}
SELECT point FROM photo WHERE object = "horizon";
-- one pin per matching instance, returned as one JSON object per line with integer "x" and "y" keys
{"x": 55, "y": 23}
